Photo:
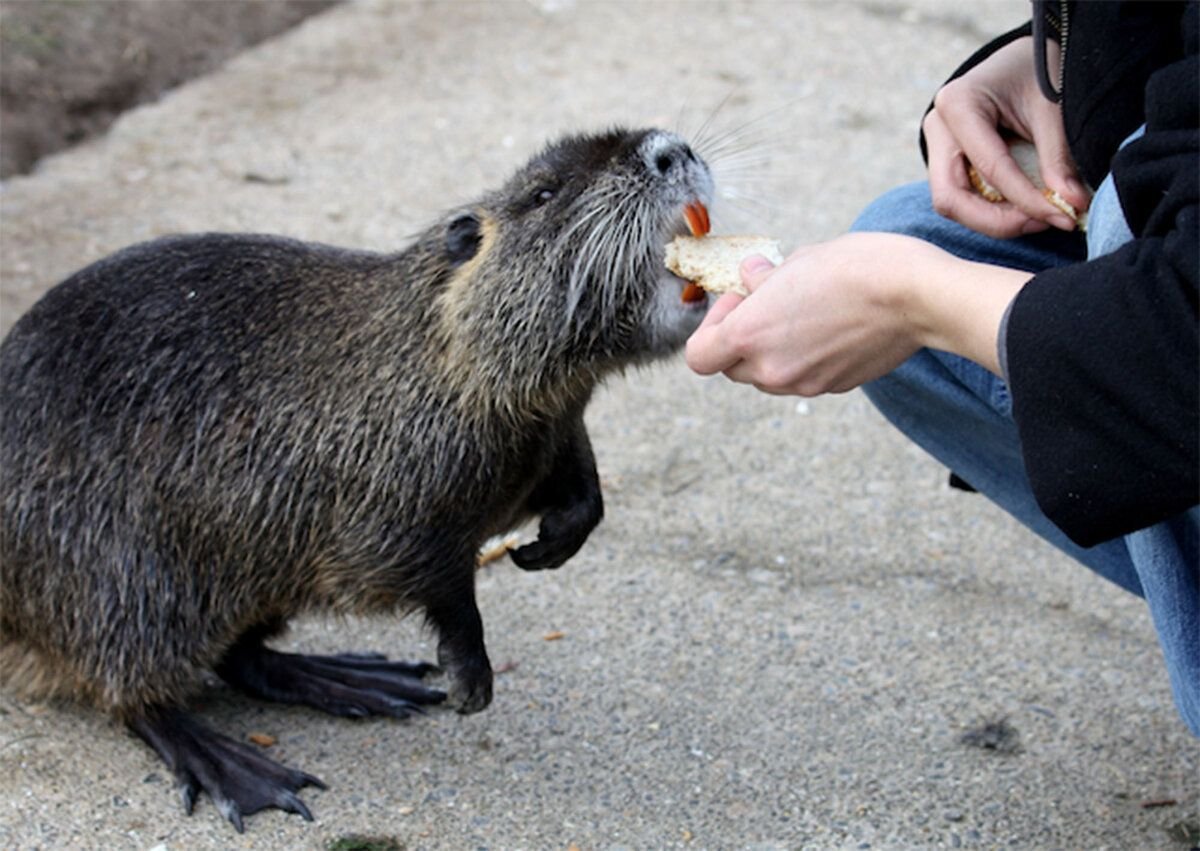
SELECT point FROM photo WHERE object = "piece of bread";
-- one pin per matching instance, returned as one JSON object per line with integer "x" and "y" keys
{"x": 1026, "y": 156}
{"x": 712, "y": 261}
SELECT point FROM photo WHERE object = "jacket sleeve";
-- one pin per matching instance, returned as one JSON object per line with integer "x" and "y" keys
{"x": 1104, "y": 356}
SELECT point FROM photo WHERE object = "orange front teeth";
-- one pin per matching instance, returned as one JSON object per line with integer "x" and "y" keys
{"x": 696, "y": 215}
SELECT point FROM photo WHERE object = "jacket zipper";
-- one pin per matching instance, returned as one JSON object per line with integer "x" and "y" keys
{"x": 1063, "y": 16}
{"x": 1046, "y": 24}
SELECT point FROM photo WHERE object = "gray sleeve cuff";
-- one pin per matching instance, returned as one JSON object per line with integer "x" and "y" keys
{"x": 1002, "y": 342}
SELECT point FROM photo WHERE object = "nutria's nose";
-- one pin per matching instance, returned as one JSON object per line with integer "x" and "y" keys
{"x": 666, "y": 153}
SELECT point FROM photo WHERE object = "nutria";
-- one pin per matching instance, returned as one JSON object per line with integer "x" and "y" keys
{"x": 202, "y": 437}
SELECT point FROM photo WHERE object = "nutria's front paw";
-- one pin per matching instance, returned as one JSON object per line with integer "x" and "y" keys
{"x": 561, "y": 533}
{"x": 570, "y": 502}
{"x": 470, "y": 688}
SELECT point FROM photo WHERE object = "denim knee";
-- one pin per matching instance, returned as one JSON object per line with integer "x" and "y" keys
{"x": 908, "y": 210}
{"x": 897, "y": 211}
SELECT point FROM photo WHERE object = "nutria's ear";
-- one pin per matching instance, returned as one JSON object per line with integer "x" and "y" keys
{"x": 462, "y": 239}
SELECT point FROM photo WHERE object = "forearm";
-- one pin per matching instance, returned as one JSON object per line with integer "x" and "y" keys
{"x": 837, "y": 314}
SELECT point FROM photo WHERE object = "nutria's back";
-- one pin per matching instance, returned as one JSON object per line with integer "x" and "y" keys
{"x": 201, "y": 396}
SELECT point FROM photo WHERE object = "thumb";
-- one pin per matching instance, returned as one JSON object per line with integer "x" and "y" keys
{"x": 1058, "y": 173}
{"x": 754, "y": 270}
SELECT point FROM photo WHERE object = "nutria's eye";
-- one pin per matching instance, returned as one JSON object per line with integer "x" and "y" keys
{"x": 542, "y": 195}
{"x": 462, "y": 239}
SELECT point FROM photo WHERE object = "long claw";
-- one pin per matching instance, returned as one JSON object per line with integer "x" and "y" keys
{"x": 230, "y": 810}
{"x": 188, "y": 792}
{"x": 303, "y": 778}
{"x": 290, "y": 802}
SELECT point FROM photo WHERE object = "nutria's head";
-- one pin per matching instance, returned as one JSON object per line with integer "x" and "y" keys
{"x": 559, "y": 274}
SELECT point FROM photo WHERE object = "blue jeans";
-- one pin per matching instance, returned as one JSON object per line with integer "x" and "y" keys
{"x": 961, "y": 414}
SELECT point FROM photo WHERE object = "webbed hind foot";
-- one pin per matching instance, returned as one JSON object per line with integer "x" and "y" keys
{"x": 238, "y": 778}
{"x": 349, "y": 685}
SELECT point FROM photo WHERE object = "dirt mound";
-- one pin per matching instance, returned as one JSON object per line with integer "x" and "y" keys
{"x": 67, "y": 69}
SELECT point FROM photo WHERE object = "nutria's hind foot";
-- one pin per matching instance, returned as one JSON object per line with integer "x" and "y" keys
{"x": 238, "y": 778}
{"x": 351, "y": 685}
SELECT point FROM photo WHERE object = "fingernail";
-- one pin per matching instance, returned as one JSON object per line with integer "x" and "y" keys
{"x": 756, "y": 263}
{"x": 1077, "y": 188}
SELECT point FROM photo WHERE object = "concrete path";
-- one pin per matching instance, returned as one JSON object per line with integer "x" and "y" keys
{"x": 787, "y": 623}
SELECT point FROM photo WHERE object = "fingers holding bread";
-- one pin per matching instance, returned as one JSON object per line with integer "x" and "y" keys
{"x": 1026, "y": 156}
{"x": 714, "y": 262}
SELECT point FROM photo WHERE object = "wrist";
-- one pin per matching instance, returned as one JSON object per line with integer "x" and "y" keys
{"x": 957, "y": 305}
{"x": 916, "y": 295}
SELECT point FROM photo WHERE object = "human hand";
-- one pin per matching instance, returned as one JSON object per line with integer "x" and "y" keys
{"x": 964, "y": 128}
{"x": 822, "y": 321}
{"x": 837, "y": 314}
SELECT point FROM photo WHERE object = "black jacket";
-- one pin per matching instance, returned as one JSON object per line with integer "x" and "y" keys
{"x": 1103, "y": 356}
